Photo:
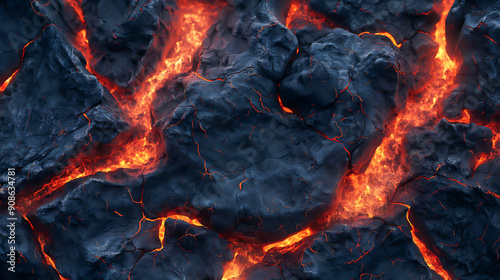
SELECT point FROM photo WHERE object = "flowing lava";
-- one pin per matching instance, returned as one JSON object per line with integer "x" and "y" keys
{"x": 364, "y": 194}
{"x": 142, "y": 149}
{"x": 300, "y": 13}
{"x": 367, "y": 193}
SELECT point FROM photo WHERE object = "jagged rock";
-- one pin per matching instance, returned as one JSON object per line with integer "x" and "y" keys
{"x": 53, "y": 110}
{"x": 255, "y": 171}
{"x": 452, "y": 212}
{"x": 473, "y": 37}
{"x": 380, "y": 249}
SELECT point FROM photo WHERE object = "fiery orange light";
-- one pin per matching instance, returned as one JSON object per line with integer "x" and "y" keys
{"x": 161, "y": 230}
{"x": 46, "y": 258}
{"x": 285, "y": 109}
{"x": 141, "y": 150}
{"x": 430, "y": 258}
{"x": 7, "y": 82}
{"x": 299, "y": 12}
{"x": 385, "y": 34}
{"x": 366, "y": 193}
{"x": 246, "y": 256}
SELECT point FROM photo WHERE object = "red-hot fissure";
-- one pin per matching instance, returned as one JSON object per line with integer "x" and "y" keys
{"x": 367, "y": 193}
{"x": 142, "y": 149}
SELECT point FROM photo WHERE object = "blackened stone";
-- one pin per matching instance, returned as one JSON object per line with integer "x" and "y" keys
{"x": 363, "y": 249}
{"x": 120, "y": 34}
{"x": 53, "y": 110}
{"x": 472, "y": 35}
{"x": 99, "y": 231}
{"x": 453, "y": 213}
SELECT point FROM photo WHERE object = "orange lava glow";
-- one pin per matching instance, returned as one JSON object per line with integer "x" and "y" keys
{"x": 7, "y": 82}
{"x": 141, "y": 150}
{"x": 430, "y": 258}
{"x": 385, "y": 34}
{"x": 367, "y": 193}
{"x": 285, "y": 109}
{"x": 246, "y": 256}
{"x": 299, "y": 13}
{"x": 161, "y": 230}
{"x": 46, "y": 258}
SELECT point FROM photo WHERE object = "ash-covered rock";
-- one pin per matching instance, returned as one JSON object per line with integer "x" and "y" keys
{"x": 29, "y": 263}
{"x": 346, "y": 87}
{"x": 454, "y": 215}
{"x": 53, "y": 110}
{"x": 472, "y": 39}
{"x": 189, "y": 252}
{"x": 20, "y": 25}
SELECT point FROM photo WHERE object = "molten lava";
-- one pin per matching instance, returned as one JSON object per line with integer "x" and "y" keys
{"x": 141, "y": 150}
{"x": 299, "y": 13}
{"x": 7, "y": 82}
{"x": 385, "y": 34}
{"x": 246, "y": 256}
{"x": 430, "y": 258}
{"x": 367, "y": 193}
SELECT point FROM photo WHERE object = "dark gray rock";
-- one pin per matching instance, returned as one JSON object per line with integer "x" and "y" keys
{"x": 248, "y": 168}
{"x": 473, "y": 37}
{"x": 53, "y": 110}
{"x": 453, "y": 213}
{"x": 364, "y": 249}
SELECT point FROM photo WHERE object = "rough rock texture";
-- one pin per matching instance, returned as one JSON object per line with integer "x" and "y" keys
{"x": 411, "y": 23}
{"x": 258, "y": 130}
{"x": 53, "y": 109}
{"x": 367, "y": 249}
{"x": 256, "y": 171}
{"x": 121, "y": 32}
{"x": 99, "y": 231}
{"x": 473, "y": 37}
{"x": 20, "y": 25}
{"x": 452, "y": 211}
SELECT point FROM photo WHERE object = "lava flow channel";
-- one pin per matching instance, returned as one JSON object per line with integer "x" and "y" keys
{"x": 367, "y": 194}
{"x": 141, "y": 150}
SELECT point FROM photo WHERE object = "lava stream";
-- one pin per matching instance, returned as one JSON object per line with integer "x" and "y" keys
{"x": 367, "y": 193}
{"x": 142, "y": 149}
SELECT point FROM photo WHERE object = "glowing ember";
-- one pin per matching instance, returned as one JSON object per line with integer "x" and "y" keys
{"x": 246, "y": 256}
{"x": 285, "y": 109}
{"x": 46, "y": 258}
{"x": 7, "y": 82}
{"x": 161, "y": 230}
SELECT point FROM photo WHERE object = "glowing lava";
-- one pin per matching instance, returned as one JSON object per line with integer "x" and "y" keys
{"x": 7, "y": 82}
{"x": 299, "y": 13}
{"x": 385, "y": 34}
{"x": 246, "y": 256}
{"x": 430, "y": 258}
{"x": 367, "y": 193}
{"x": 140, "y": 149}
